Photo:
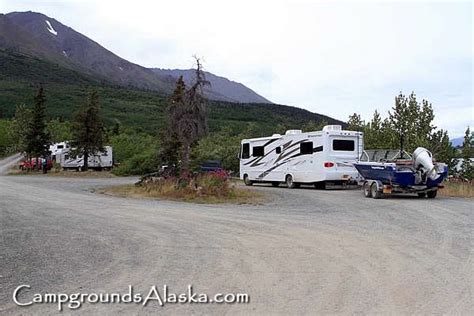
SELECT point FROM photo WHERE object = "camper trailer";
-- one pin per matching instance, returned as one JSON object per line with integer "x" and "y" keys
{"x": 296, "y": 158}
{"x": 57, "y": 149}
{"x": 100, "y": 160}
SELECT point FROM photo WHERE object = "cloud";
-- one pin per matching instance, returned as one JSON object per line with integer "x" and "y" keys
{"x": 332, "y": 57}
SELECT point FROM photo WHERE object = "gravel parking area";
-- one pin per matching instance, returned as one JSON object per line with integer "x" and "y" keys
{"x": 304, "y": 252}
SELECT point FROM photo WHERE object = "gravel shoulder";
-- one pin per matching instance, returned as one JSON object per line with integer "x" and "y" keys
{"x": 304, "y": 252}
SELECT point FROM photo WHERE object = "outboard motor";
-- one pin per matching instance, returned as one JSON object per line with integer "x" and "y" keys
{"x": 423, "y": 159}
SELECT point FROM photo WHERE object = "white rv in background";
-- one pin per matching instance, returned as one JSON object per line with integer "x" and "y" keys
{"x": 57, "y": 149}
{"x": 302, "y": 158}
{"x": 100, "y": 160}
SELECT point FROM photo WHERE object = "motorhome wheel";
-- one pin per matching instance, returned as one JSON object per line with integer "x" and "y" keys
{"x": 247, "y": 181}
{"x": 289, "y": 182}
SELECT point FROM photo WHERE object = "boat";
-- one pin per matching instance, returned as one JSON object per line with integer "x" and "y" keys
{"x": 401, "y": 173}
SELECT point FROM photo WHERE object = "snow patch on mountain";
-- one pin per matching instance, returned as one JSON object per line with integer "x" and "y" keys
{"x": 50, "y": 28}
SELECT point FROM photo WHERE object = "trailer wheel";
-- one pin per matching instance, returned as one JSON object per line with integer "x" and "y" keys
{"x": 247, "y": 181}
{"x": 432, "y": 194}
{"x": 289, "y": 182}
{"x": 275, "y": 184}
{"x": 376, "y": 194}
{"x": 366, "y": 189}
{"x": 422, "y": 195}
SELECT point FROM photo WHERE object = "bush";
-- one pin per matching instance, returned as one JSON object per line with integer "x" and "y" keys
{"x": 7, "y": 141}
{"x": 212, "y": 184}
{"x": 140, "y": 163}
{"x": 136, "y": 153}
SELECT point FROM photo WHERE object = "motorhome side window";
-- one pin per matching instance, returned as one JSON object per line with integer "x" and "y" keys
{"x": 245, "y": 151}
{"x": 278, "y": 150}
{"x": 258, "y": 151}
{"x": 343, "y": 145}
{"x": 306, "y": 148}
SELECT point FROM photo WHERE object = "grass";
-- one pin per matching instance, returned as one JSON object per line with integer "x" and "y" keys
{"x": 453, "y": 189}
{"x": 234, "y": 196}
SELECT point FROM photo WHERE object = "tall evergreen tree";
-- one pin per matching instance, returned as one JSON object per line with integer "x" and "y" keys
{"x": 20, "y": 127}
{"x": 355, "y": 123}
{"x": 88, "y": 132}
{"x": 467, "y": 169}
{"x": 37, "y": 137}
{"x": 170, "y": 149}
{"x": 188, "y": 115}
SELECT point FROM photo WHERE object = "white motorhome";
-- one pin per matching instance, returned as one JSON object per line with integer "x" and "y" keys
{"x": 100, "y": 160}
{"x": 302, "y": 158}
{"x": 57, "y": 149}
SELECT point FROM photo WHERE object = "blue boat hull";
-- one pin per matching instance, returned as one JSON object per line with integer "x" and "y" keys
{"x": 388, "y": 174}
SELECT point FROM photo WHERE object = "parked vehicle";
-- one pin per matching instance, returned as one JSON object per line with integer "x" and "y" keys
{"x": 211, "y": 165}
{"x": 31, "y": 164}
{"x": 296, "y": 158}
{"x": 403, "y": 174}
{"x": 57, "y": 149}
{"x": 99, "y": 161}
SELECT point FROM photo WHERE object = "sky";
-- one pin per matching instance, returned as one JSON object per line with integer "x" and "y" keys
{"x": 330, "y": 57}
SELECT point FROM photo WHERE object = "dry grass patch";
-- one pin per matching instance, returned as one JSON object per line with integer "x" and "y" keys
{"x": 457, "y": 190}
{"x": 207, "y": 189}
{"x": 57, "y": 172}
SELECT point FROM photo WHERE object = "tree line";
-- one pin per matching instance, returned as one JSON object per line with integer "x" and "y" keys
{"x": 409, "y": 124}
{"x": 33, "y": 134}
{"x": 184, "y": 142}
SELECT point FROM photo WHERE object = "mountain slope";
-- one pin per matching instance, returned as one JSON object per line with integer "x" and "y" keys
{"x": 66, "y": 90}
{"x": 221, "y": 88}
{"x": 40, "y": 36}
{"x": 457, "y": 142}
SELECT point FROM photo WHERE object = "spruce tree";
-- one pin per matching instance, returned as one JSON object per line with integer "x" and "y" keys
{"x": 355, "y": 123}
{"x": 37, "y": 138}
{"x": 88, "y": 132}
{"x": 188, "y": 115}
{"x": 467, "y": 169}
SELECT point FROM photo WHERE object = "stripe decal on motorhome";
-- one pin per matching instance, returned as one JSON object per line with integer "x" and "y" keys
{"x": 257, "y": 159}
{"x": 266, "y": 172}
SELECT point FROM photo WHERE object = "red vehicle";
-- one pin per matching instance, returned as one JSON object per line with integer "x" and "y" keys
{"x": 31, "y": 164}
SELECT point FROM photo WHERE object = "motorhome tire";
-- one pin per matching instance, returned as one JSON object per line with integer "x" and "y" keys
{"x": 366, "y": 189}
{"x": 320, "y": 185}
{"x": 432, "y": 194}
{"x": 422, "y": 195}
{"x": 275, "y": 183}
{"x": 289, "y": 182}
{"x": 247, "y": 181}
{"x": 374, "y": 190}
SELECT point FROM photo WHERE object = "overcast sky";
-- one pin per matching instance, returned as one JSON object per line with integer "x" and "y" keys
{"x": 333, "y": 57}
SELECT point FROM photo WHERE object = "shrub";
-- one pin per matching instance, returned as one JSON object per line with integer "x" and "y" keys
{"x": 212, "y": 184}
{"x": 136, "y": 153}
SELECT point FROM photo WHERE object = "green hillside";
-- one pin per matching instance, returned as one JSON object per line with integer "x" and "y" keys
{"x": 66, "y": 90}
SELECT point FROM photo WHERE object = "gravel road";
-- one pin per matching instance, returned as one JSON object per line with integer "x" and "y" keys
{"x": 304, "y": 252}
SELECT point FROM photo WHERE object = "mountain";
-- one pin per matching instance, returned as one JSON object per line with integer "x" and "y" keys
{"x": 220, "y": 88}
{"x": 40, "y": 36}
{"x": 66, "y": 90}
{"x": 457, "y": 142}
{"x": 35, "y": 49}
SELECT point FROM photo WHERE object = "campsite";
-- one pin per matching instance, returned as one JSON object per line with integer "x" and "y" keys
{"x": 238, "y": 158}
